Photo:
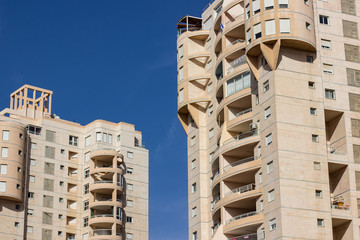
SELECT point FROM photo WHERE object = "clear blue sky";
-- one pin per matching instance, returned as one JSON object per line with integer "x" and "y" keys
{"x": 114, "y": 60}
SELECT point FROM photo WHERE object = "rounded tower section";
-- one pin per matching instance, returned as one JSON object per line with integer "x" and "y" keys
{"x": 107, "y": 198}
{"x": 12, "y": 160}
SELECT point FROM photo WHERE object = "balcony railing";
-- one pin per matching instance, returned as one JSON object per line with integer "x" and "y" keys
{"x": 243, "y": 112}
{"x": 241, "y": 136}
{"x": 242, "y": 189}
{"x": 101, "y": 232}
{"x": 102, "y": 181}
{"x": 236, "y": 63}
{"x": 252, "y": 236}
{"x": 245, "y": 215}
{"x": 341, "y": 207}
{"x": 102, "y": 215}
{"x": 234, "y": 164}
{"x": 208, "y": 5}
{"x": 213, "y": 203}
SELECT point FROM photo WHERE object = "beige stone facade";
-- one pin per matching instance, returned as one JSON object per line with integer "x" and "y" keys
{"x": 62, "y": 180}
{"x": 268, "y": 94}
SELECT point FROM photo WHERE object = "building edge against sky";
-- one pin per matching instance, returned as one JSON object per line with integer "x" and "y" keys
{"x": 62, "y": 180}
{"x": 268, "y": 94}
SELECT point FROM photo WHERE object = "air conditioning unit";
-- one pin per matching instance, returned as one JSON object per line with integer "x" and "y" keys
{"x": 253, "y": 126}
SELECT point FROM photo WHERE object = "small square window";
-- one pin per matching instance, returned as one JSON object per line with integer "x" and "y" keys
{"x": 61, "y": 183}
{"x": 315, "y": 138}
{"x": 193, "y": 188}
{"x": 61, "y": 200}
{"x": 129, "y": 203}
{"x": 31, "y": 195}
{"x": 317, "y": 166}
{"x": 313, "y": 111}
{"x": 17, "y": 224}
{"x": 32, "y": 178}
{"x": 130, "y": 170}
{"x": 17, "y": 206}
{"x": 311, "y": 84}
{"x": 272, "y": 224}
{"x": 308, "y": 26}
{"x": 320, "y": 222}
{"x": 309, "y": 59}
{"x": 271, "y": 195}
{"x": 129, "y": 219}
{"x": 59, "y": 233}
{"x": 33, "y": 146}
{"x": 306, "y": 2}
{"x": 329, "y": 93}
{"x": 328, "y": 68}
{"x": 324, "y": 20}
{"x": 130, "y": 187}
{"x": 32, "y": 162}
{"x": 325, "y": 44}
{"x": 62, "y": 151}
{"x": 266, "y": 86}
{"x": 60, "y": 216}
{"x": 130, "y": 154}
{"x": 269, "y": 167}
{"x": 62, "y": 167}
{"x": 30, "y": 229}
{"x": 18, "y": 186}
{"x": 193, "y": 164}
{"x": 318, "y": 193}
{"x": 30, "y": 212}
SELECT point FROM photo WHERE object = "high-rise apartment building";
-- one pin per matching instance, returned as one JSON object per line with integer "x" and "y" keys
{"x": 62, "y": 180}
{"x": 268, "y": 94}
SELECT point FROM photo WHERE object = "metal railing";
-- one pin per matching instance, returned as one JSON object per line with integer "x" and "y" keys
{"x": 251, "y": 236}
{"x": 243, "y": 112}
{"x": 102, "y": 181}
{"x": 236, "y": 41}
{"x": 241, "y": 136}
{"x": 242, "y": 189}
{"x": 343, "y": 207}
{"x": 245, "y": 215}
{"x": 213, "y": 203}
{"x": 214, "y": 228}
{"x": 217, "y": 173}
{"x": 234, "y": 19}
{"x": 335, "y": 147}
{"x": 101, "y": 232}
{"x": 102, "y": 215}
{"x": 237, "y": 163}
{"x": 236, "y": 63}
{"x": 208, "y": 5}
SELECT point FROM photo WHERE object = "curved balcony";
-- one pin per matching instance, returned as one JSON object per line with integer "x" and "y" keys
{"x": 107, "y": 169}
{"x": 100, "y": 234}
{"x": 243, "y": 169}
{"x": 243, "y": 196}
{"x": 243, "y": 223}
{"x": 102, "y": 185}
{"x": 101, "y": 219}
{"x": 190, "y": 34}
{"x": 246, "y": 92}
{"x": 105, "y": 154}
{"x": 241, "y": 118}
{"x": 215, "y": 205}
{"x": 106, "y": 201}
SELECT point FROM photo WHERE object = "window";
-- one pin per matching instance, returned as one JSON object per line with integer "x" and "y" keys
{"x": 60, "y": 216}
{"x": 4, "y": 152}
{"x": 267, "y": 112}
{"x": 353, "y": 77}
{"x": 313, "y": 111}
{"x": 50, "y": 136}
{"x": 318, "y": 193}
{"x": 192, "y": 141}
{"x": 86, "y": 173}
{"x": 325, "y": 44}
{"x": 130, "y": 187}
{"x": 329, "y": 93}
{"x": 270, "y": 27}
{"x": 130, "y": 154}
{"x": 266, "y": 86}
{"x": 210, "y": 110}
{"x": 62, "y": 151}
{"x": 271, "y": 195}
{"x": 30, "y": 194}
{"x": 5, "y": 135}
{"x": 48, "y": 184}
{"x": 283, "y": 3}
{"x": 30, "y": 212}
{"x": 324, "y": 20}
{"x": 86, "y": 205}
{"x": 61, "y": 200}
{"x": 211, "y": 157}
{"x": 261, "y": 205}
{"x": 268, "y": 139}
{"x": 315, "y": 138}
{"x": 259, "y": 151}
{"x": 17, "y": 224}
{"x": 268, "y": 4}
{"x": 118, "y": 138}
{"x": 194, "y": 236}
{"x": 49, "y": 152}
{"x": 181, "y": 73}
{"x": 73, "y": 140}
{"x": 30, "y": 229}
{"x": 206, "y": 26}
{"x": 49, "y": 168}
{"x": 181, "y": 51}
{"x": 105, "y": 137}
{"x": 20, "y": 153}
{"x": 61, "y": 183}
{"x": 129, "y": 219}
{"x": 2, "y": 186}
{"x": 238, "y": 83}
{"x": 129, "y": 203}
{"x": 3, "y": 169}
{"x": 181, "y": 95}
{"x": 130, "y": 170}
{"x": 350, "y": 29}
{"x": 86, "y": 188}
{"x": 320, "y": 222}
{"x": 87, "y": 141}
{"x": 348, "y": 6}
{"x": 257, "y": 31}
{"x": 59, "y": 233}
{"x": 260, "y": 178}
{"x": 317, "y": 166}
{"x": 306, "y": 2}
{"x": 18, "y": 186}
{"x": 262, "y": 233}
{"x": 47, "y": 218}
{"x": 110, "y": 138}
{"x": 193, "y": 164}
{"x": 247, "y": 9}
{"x": 32, "y": 162}
{"x": 308, "y": 26}
{"x": 269, "y": 167}
{"x": 87, "y": 156}
{"x": 248, "y": 36}
{"x": 34, "y": 130}
{"x": 19, "y": 169}
{"x": 129, "y": 236}
{"x": 352, "y": 53}
{"x": 32, "y": 178}
{"x": 193, "y": 212}
{"x": 272, "y": 223}
{"x": 193, "y": 188}
{"x": 309, "y": 59}
{"x": 211, "y": 133}
{"x": 98, "y": 136}
{"x": 284, "y": 24}
{"x": 33, "y": 146}
{"x": 85, "y": 221}
{"x": 328, "y": 68}
{"x": 256, "y": 6}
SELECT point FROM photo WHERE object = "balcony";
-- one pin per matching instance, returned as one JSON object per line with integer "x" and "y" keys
{"x": 251, "y": 236}
{"x": 243, "y": 223}
{"x": 242, "y": 189}
{"x": 188, "y": 24}
{"x": 237, "y": 163}
{"x": 241, "y": 136}
{"x": 213, "y": 203}
{"x": 106, "y": 233}
{"x": 236, "y": 63}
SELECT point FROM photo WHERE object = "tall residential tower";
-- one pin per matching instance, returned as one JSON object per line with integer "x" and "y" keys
{"x": 62, "y": 180}
{"x": 269, "y": 96}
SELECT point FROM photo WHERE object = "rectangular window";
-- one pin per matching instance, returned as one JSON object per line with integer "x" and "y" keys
{"x": 350, "y": 29}
{"x": 194, "y": 236}
{"x": 50, "y": 136}
{"x": 308, "y": 26}
{"x": 181, "y": 95}
{"x": 355, "y": 127}
{"x": 48, "y": 201}
{"x": 193, "y": 164}
{"x": 3, "y": 169}
{"x": 105, "y": 138}
{"x": 356, "y": 153}
{"x": 33, "y": 146}
{"x": 348, "y": 7}
{"x": 87, "y": 156}
{"x": 324, "y": 20}
{"x": 269, "y": 167}
{"x": 192, "y": 141}
{"x": 30, "y": 229}
{"x": 261, "y": 205}
{"x": 247, "y": 9}
{"x": 271, "y": 195}
{"x": 129, "y": 219}
{"x": 31, "y": 195}
{"x": 268, "y": 139}
{"x": 47, "y": 218}
{"x": 313, "y": 111}
{"x": 49, "y": 168}
{"x": 4, "y": 152}
{"x": 330, "y": 94}
{"x": 315, "y": 138}
{"x": 5, "y": 135}
{"x": 181, "y": 51}
{"x": 210, "y": 110}
{"x": 318, "y": 194}
{"x": 86, "y": 188}
{"x": 181, "y": 73}
{"x": 260, "y": 178}
{"x": 86, "y": 173}
{"x": 130, "y": 170}
{"x": 352, "y": 53}
{"x": 317, "y": 166}
{"x": 328, "y": 68}
{"x": 130, "y": 154}
{"x": 85, "y": 221}
{"x": 266, "y": 86}
{"x": 2, "y": 186}
{"x": 211, "y": 157}
{"x": 270, "y": 28}
{"x": 257, "y": 31}
{"x": 238, "y": 83}
{"x": 268, "y": 4}
{"x": 98, "y": 136}
{"x": 357, "y": 179}
{"x": 320, "y": 222}
{"x": 272, "y": 224}
{"x": 32, "y": 178}
{"x": 248, "y": 36}
{"x": 256, "y": 6}
{"x": 73, "y": 140}
{"x": 193, "y": 188}
{"x": 49, "y": 152}
{"x": 30, "y": 212}
{"x": 284, "y": 25}
{"x": 193, "y": 212}
{"x": 34, "y": 130}
{"x": 48, "y": 185}
{"x": 87, "y": 141}
{"x": 209, "y": 88}
{"x": 129, "y": 203}
{"x": 267, "y": 112}
{"x": 129, "y": 236}
{"x": 283, "y": 3}
{"x": 354, "y": 100}
{"x": 211, "y": 133}
{"x": 325, "y": 44}
{"x": 110, "y": 138}
{"x": 130, "y": 187}
{"x": 353, "y": 77}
